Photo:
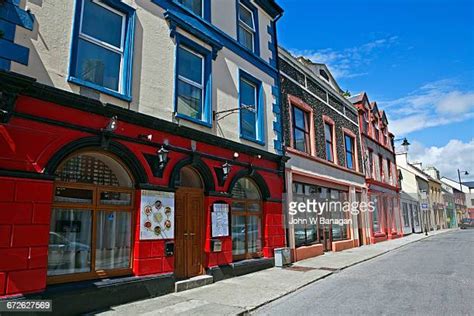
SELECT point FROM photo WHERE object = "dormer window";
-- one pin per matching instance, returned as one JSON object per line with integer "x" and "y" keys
{"x": 324, "y": 74}
{"x": 365, "y": 122}
{"x": 375, "y": 126}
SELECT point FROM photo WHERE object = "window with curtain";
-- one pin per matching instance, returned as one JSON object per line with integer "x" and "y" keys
{"x": 246, "y": 221}
{"x": 246, "y": 27}
{"x": 301, "y": 127}
{"x": 91, "y": 219}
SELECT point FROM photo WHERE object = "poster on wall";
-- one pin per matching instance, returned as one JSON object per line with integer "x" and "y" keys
{"x": 220, "y": 220}
{"x": 156, "y": 215}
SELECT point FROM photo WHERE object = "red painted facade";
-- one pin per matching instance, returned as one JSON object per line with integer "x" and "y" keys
{"x": 27, "y": 145}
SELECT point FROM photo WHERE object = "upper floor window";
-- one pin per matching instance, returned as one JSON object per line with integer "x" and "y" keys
{"x": 328, "y": 135}
{"x": 375, "y": 126}
{"x": 193, "y": 72}
{"x": 324, "y": 74}
{"x": 301, "y": 139}
{"x": 350, "y": 152}
{"x": 195, "y": 6}
{"x": 247, "y": 27}
{"x": 251, "y": 116}
{"x": 365, "y": 122}
{"x": 102, "y": 47}
{"x": 389, "y": 171}
{"x": 381, "y": 168}
{"x": 371, "y": 167}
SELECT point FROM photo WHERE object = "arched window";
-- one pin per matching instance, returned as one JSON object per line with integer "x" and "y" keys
{"x": 189, "y": 178}
{"x": 246, "y": 212}
{"x": 91, "y": 219}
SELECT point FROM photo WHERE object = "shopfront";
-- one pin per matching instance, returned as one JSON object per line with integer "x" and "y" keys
{"x": 386, "y": 221}
{"x": 89, "y": 202}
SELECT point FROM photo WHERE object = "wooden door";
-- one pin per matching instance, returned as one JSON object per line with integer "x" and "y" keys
{"x": 189, "y": 232}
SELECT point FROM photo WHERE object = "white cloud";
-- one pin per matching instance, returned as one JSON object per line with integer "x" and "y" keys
{"x": 447, "y": 159}
{"x": 345, "y": 63}
{"x": 433, "y": 104}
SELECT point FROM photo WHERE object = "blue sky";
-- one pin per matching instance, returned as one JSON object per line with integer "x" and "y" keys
{"x": 414, "y": 57}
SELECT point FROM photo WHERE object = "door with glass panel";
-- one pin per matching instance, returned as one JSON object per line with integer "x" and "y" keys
{"x": 91, "y": 219}
{"x": 246, "y": 210}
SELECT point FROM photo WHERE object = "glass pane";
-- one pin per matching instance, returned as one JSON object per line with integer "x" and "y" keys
{"x": 254, "y": 240}
{"x": 300, "y": 235}
{"x": 190, "y": 65}
{"x": 98, "y": 65}
{"x": 113, "y": 240}
{"x": 238, "y": 206}
{"x": 245, "y": 37}
{"x": 300, "y": 140}
{"x": 115, "y": 198}
{"x": 244, "y": 188}
{"x": 248, "y": 95}
{"x": 349, "y": 160}
{"x": 69, "y": 249}
{"x": 248, "y": 124}
{"x": 245, "y": 15}
{"x": 328, "y": 151}
{"x": 93, "y": 168}
{"x": 193, "y": 5}
{"x": 73, "y": 195}
{"x": 328, "y": 132}
{"x": 102, "y": 24}
{"x": 189, "y": 100}
{"x": 238, "y": 235}
{"x": 253, "y": 207}
{"x": 349, "y": 143}
{"x": 299, "y": 118}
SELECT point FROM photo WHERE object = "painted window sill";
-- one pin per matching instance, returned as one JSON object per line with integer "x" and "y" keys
{"x": 99, "y": 88}
{"x": 193, "y": 120}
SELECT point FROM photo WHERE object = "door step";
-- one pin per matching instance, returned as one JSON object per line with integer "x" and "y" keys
{"x": 194, "y": 282}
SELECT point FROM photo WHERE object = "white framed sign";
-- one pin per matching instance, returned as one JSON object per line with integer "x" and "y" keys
{"x": 156, "y": 215}
{"x": 220, "y": 220}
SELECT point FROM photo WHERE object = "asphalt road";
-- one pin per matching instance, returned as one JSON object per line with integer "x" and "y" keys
{"x": 434, "y": 276}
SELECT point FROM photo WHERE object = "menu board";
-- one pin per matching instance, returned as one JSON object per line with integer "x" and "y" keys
{"x": 220, "y": 220}
{"x": 156, "y": 215}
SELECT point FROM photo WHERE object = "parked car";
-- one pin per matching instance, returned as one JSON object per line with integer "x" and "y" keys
{"x": 466, "y": 223}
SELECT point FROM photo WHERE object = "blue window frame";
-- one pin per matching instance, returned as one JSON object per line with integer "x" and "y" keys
{"x": 193, "y": 92}
{"x": 247, "y": 26}
{"x": 251, "y": 108}
{"x": 102, "y": 47}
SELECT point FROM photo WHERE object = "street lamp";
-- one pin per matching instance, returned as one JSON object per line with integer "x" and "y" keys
{"x": 466, "y": 173}
{"x": 404, "y": 144}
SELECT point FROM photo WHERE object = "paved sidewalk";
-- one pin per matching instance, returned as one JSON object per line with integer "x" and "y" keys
{"x": 246, "y": 293}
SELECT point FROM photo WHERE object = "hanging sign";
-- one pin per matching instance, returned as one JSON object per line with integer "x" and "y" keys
{"x": 220, "y": 220}
{"x": 156, "y": 215}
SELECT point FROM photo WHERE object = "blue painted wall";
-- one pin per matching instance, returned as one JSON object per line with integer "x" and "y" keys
{"x": 12, "y": 15}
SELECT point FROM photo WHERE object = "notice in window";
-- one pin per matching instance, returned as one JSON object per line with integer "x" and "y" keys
{"x": 220, "y": 220}
{"x": 156, "y": 215}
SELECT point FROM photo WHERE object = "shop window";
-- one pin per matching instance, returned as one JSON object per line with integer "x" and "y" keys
{"x": 102, "y": 47}
{"x": 406, "y": 220}
{"x": 307, "y": 231}
{"x": 350, "y": 151}
{"x": 246, "y": 210}
{"x": 91, "y": 219}
{"x": 376, "y": 214}
{"x": 301, "y": 128}
{"x": 193, "y": 91}
{"x": 247, "y": 31}
{"x": 251, "y": 111}
{"x": 328, "y": 135}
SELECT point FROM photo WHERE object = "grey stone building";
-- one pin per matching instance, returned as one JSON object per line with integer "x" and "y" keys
{"x": 322, "y": 140}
